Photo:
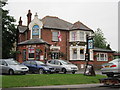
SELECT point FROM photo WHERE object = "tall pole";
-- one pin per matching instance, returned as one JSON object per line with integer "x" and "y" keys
{"x": 89, "y": 70}
{"x": 87, "y": 57}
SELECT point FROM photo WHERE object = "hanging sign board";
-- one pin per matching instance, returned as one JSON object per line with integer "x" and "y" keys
{"x": 90, "y": 44}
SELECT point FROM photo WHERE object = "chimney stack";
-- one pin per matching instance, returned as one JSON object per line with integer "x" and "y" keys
{"x": 29, "y": 17}
{"x": 20, "y": 22}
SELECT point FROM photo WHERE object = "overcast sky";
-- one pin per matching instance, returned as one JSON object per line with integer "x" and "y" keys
{"x": 95, "y": 14}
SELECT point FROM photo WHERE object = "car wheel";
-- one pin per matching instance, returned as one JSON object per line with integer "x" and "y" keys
{"x": 11, "y": 72}
{"x": 24, "y": 73}
{"x": 57, "y": 71}
{"x": 41, "y": 71}
{"x": 64, "y": 70}
{"x": 73, "y": 72}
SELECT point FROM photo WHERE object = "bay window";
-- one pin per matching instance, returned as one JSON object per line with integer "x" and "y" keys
{"x": 82, "y": 36}
{"x": 73, "y": 36}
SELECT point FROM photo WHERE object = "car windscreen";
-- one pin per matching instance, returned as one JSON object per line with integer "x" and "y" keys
{"x": 39, "y": 63}
{"x": 12, "y": 62}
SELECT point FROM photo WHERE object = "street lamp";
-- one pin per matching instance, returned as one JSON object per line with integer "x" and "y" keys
{"x": 89, "y": 70}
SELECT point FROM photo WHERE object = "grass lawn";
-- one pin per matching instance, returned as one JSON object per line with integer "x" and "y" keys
{"x": 47, "y": 79}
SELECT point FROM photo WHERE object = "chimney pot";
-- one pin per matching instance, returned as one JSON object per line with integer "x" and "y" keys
{"x": 29, "y": 17}
{"x": 20, "y": 22}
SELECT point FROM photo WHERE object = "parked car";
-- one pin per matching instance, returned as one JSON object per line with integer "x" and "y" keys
{"x": 10, "y": 66}
{"x": 38, "y": 67}
{"x": 111, "y": 68}
{"x": 62, "y": 66}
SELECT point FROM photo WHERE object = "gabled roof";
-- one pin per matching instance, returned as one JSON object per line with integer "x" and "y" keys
{"x": 33, "y": 41}
{"x": 102, "y": 50}
{"x": 55, "y": 23}
{"x": 22, "y": 29}
{"x": 80, "y": 26}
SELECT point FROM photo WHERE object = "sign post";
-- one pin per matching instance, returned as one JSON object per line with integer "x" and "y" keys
{"x": 89, "y": 70}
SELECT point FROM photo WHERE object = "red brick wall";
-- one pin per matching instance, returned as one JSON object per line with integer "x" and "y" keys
{"x": 21, "y": 37}
{"x": 20, "y": 48}
{"x": 47, "y": 36}
{"x": 28, "y": 36}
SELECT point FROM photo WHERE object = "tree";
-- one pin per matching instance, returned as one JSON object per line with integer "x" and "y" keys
{"x": 8, "y": 32}
{"x": 99, "y": 40}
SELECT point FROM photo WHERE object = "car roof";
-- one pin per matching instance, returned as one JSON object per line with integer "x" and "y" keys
{"x": 115, "y": 60}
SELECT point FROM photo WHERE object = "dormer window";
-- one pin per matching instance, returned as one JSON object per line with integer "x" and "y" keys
{"x": 35, "y": 31}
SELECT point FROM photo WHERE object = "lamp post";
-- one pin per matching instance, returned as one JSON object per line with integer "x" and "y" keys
{"x": 89, "y": 70}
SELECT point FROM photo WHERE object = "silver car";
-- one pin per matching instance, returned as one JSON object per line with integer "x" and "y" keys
{"x": 10, "y": 66}
{"x": 111, "y": 68}
{"x": 62, "y": 66}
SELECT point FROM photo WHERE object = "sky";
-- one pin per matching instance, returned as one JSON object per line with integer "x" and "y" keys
{"x": 95, "y": 14}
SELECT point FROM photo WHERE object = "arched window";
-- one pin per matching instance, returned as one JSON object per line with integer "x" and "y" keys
{"x": 35, "y": 31}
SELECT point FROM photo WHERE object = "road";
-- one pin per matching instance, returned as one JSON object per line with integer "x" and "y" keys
{"x": 70, "y": 87}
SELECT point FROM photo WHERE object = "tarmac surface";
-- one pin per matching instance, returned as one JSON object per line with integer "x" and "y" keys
{"x": 69, "y": 86}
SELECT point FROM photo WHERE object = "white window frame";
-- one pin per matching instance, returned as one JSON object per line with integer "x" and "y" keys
{"x": 104, "y": 58}
{"x": 55, "y": 37}
{"x": 74, "y": 39}
{"x": 82, "y": 36}
{"x": 74, "y": 54}
{"x": 82, "y": 54}
{"x": 78, "y": 52}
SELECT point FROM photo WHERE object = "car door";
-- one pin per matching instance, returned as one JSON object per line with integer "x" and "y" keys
{"x": 58, "y": 65}
{"x": 52, "y": 63}
{"x": 5, "y": 67}
{"x": 33, "y": 66}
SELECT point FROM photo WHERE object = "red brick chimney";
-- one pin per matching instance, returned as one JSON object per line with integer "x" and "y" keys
{"x": 29, "y": 17}
{"x": 20, "y": 22}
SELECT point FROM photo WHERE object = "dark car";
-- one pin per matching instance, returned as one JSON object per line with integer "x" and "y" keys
{"x": 38, "y": 67}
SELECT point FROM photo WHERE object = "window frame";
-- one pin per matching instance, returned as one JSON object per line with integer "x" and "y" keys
{"x": 74, "y": 55}
{"x": 82, "y": 36}
{"x": 105, "y": 57}
{"x": 74, "y": 36}
{"x": 55, "y": 37}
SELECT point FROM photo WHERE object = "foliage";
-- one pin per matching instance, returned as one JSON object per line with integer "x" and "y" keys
{"x": 8, "y": 33}
{"x": 99, "y": 40}
{"x": 48, "y": 79}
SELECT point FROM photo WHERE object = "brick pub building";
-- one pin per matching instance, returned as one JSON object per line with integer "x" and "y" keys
{"x": 54, "y": 38}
